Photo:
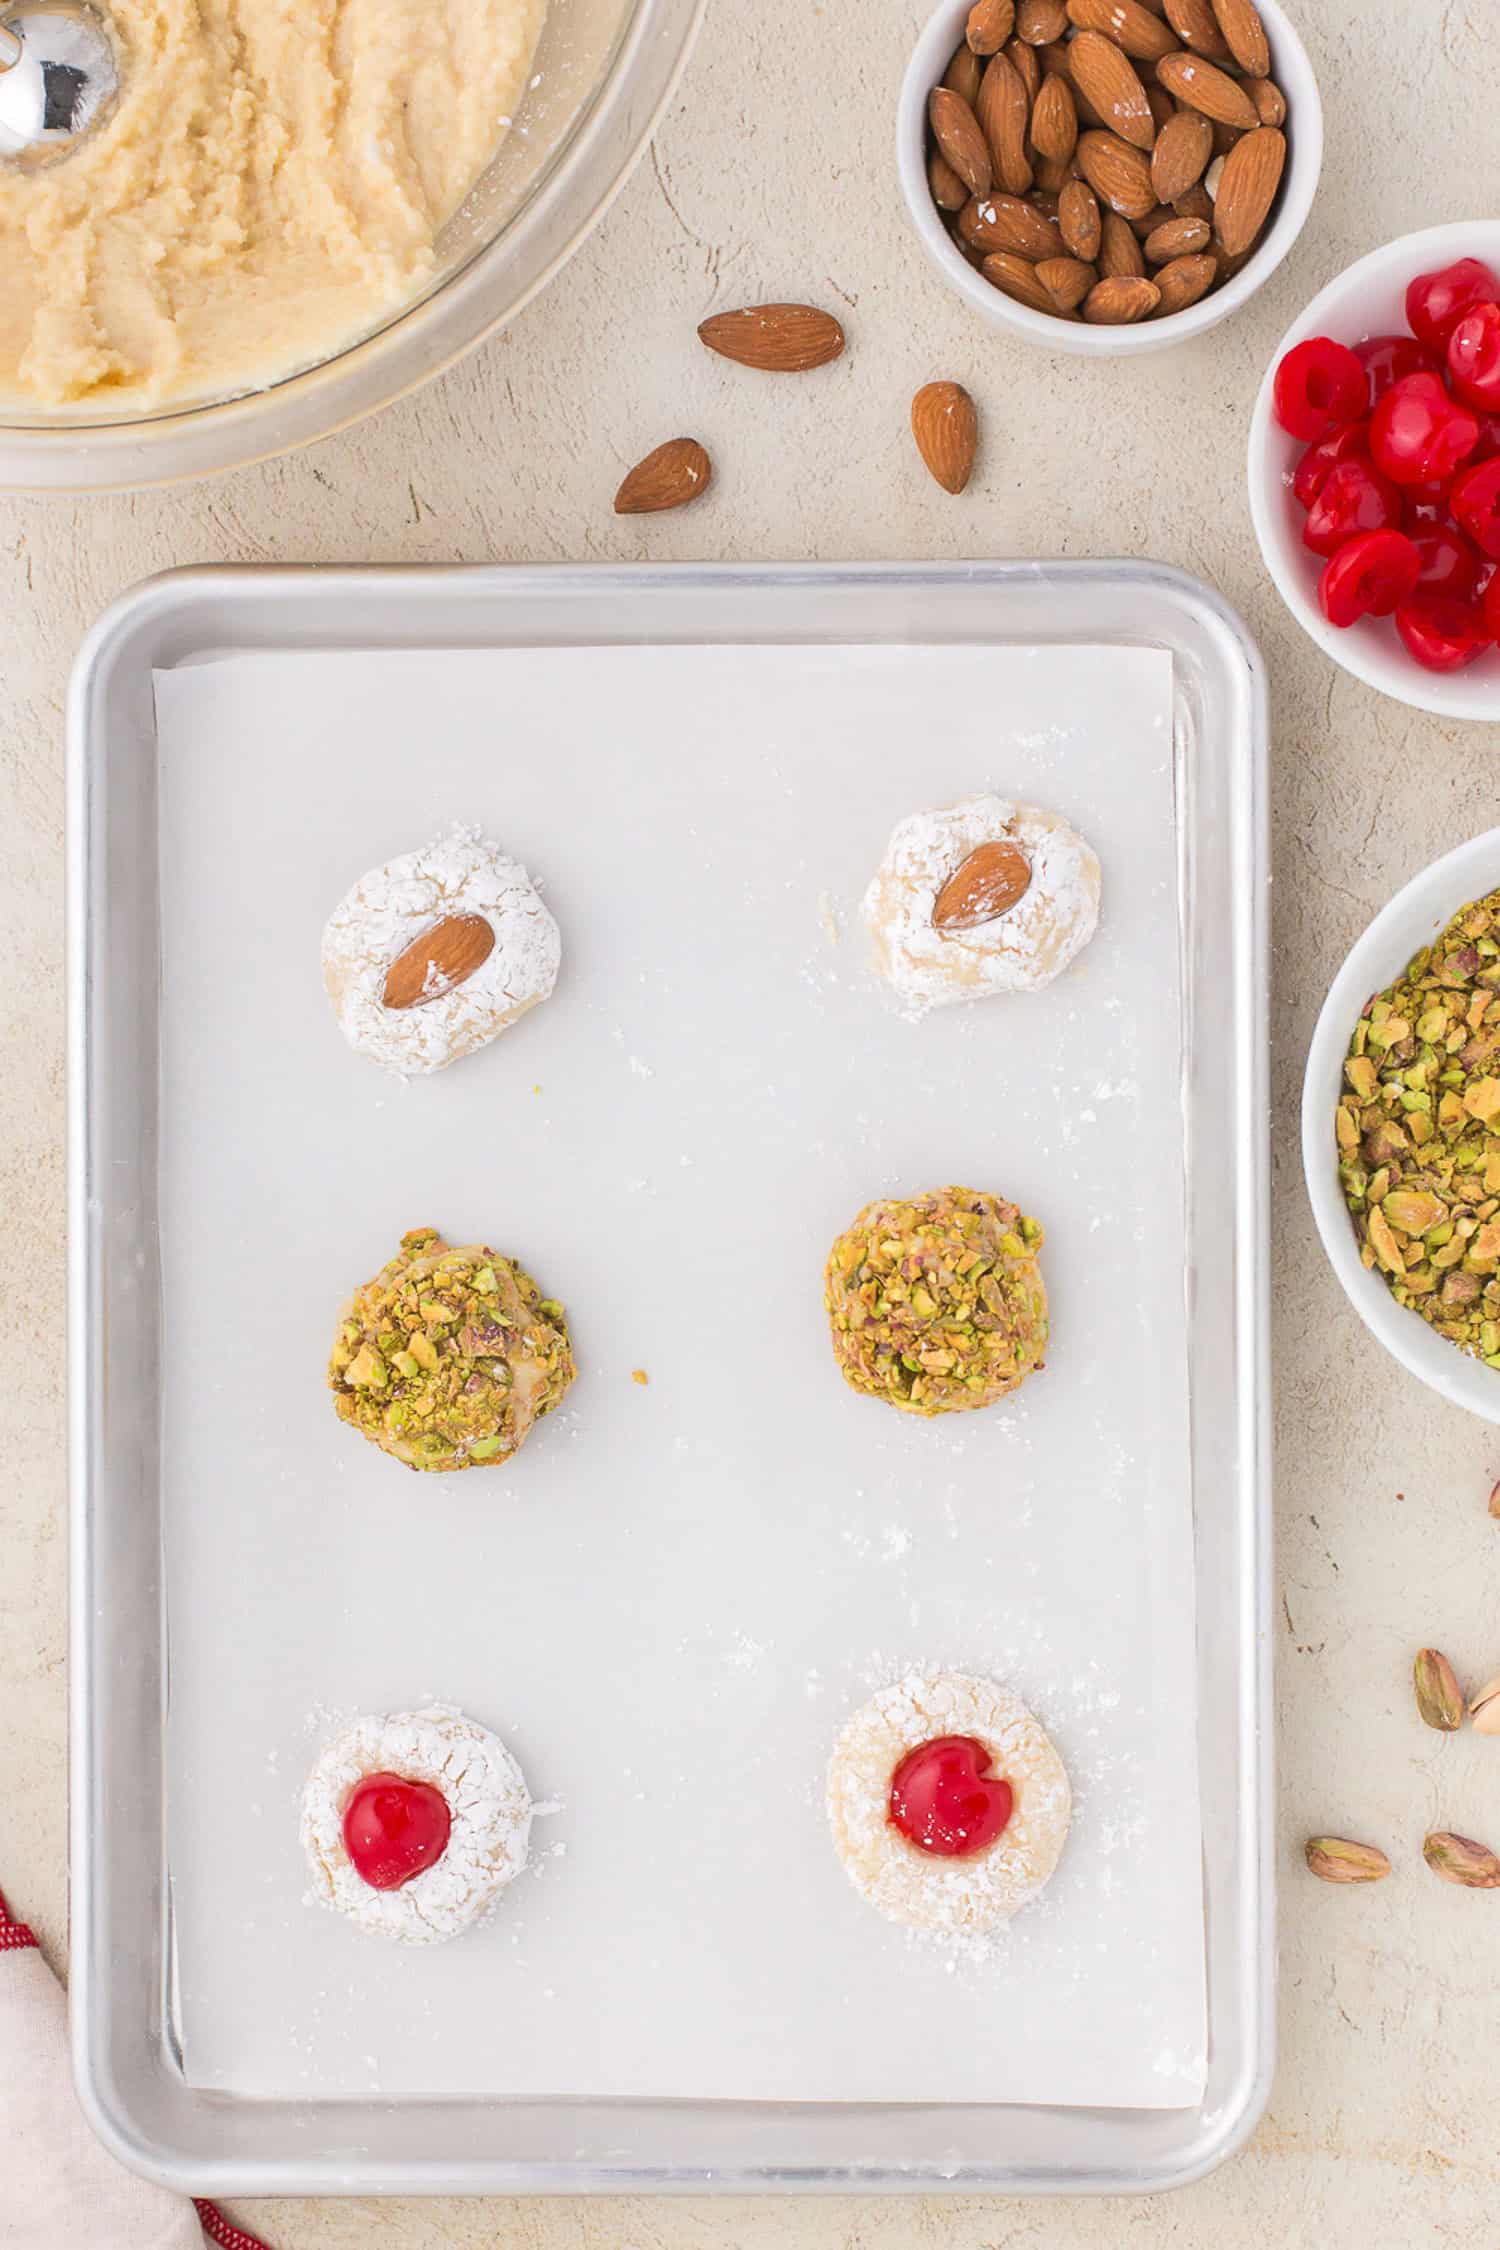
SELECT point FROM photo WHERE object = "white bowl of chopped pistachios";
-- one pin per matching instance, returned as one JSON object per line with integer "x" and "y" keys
{"x": 1401, "y": 1126}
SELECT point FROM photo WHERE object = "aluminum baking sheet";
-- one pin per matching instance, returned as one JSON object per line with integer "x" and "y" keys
{"x": 730, "y": 1558}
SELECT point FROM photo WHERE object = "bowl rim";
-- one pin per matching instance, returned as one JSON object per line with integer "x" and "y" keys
{"x": 1375, "y": 958}
{"x": 588, "y": 172}
{"x": 1361, "y": 654}
{"x": 1299, "y": 190}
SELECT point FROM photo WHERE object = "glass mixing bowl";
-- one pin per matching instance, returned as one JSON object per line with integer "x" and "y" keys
{"x": 604, "y": 71}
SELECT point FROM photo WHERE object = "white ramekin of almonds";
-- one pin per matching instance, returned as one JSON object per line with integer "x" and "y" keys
{"x": 1108, "y": 176}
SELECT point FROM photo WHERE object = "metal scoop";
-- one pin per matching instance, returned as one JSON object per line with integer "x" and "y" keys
{"x": 58, "y": 77}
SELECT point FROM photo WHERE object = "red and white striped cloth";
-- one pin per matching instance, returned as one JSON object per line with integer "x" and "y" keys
{"x": 59, "y": 2189}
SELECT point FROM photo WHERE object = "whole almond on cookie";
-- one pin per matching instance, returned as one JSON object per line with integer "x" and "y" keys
{"x": 1183, "y": 282}
{"x": 1078, "y": 219}
{"x": 674, "y": 474}
{"x": 991, "y": 23}
{"x": 1245, "y": 35}
{"x": 946, "y": 428}
{"x": 1066, "y": 280}
{"x": 780, "y": 339}
{"x": 1054, "y": 119}
{"x": 957, "y": 132}
{"x": 1197, "y": 27}
{"x": 1247, "y": 188}
{"x": 1203, "y": 86}
{"x": 1120, "y": 253}
{"x": 1003, "y": 109}
{"x": 1103, "y": 74}
{"x": 1016, "y": 277}
{"x": 1119, "y": 300}
{"x": 444, "y": 956}
{"x": 1180, "y": 157}
{"x": 1118, "y": 173}
{"x": 993, "y": 879}
{"x": 1131, "y": 26}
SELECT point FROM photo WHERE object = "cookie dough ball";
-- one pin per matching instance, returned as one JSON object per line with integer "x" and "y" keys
{"x": 983, "y": 897}
{"x": 938, "y": 1303}
{"x": 949, "y": 1805}
{"x": 414, "y": 1824}
{"x": 437, "y": 953}
{"x": 448, "y": 1356}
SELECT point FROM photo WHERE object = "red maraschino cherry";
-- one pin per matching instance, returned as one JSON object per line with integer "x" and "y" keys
{"x": 394, "y": 1828}
{"x": 945, "y": 1800}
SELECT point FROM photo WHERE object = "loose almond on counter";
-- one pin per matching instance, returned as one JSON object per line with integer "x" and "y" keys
{"x": 1333, "y": 1859}
{"x": 988, "y": 884}
{"x": 1459, "y": 1859}
{"x": 444, "y": 956}
{"x": 1440, "y": 1699}
{"x": 1495, "y": 1501}
{"x": 781, "y": 339}
{"x": 1247, "y": 188}
{"x": 674, "y": 474}
{"x": 946, "y": 428}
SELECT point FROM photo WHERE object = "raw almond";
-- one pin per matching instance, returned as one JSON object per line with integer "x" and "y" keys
{"x": 1054, "y": 119}
{"x": 988, "y": 884}
{"x": 963, "y": 74}
{"x": 1103, "y": 75}
{"x": 1017, "y": 278}
{"x": 1120, "y": 255}
{"x": 1003, "y": 109}
{"x": 1269, "y": 100}
{"x": 1183, "y": 147}
{"x": 1203, "y": 86}
{"x": 1040, "y": 22}
{"x": 1161, "y": 105}
{"x": 957, "y": 132}
{"x": 674, "y": 474}
{"x": 1225, "y": 136}
{"x": 991, "y": 23}
{"x": 1183, "y": 282}
{"x": 1176, "y": 238}
{"x": 1004, "y": 222}
{"x": 782, "y": 339}
{"x": 444, "y": 956}
{"x": 946, "y": 428}
{"x": 1245, "y": 35}
{"x": 1078, "y": 223}
{"x": 1052, "y": 176}
{"x": 1120, "y": 299}
{"x": 1126, "y": 22}
{"x": 1026, "y": 64}
{"x": 1247, "y": 188}
{"x": 1119, "y": 174}
{"x": 1196, "y": 204}
{"x": 1066, "y": 280}
{"x": 1197, "y": 27}
{"x": 1149, "y": 221}
{"x": 948, "y": 190}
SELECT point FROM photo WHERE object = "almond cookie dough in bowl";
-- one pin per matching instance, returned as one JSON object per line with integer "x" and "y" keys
{"x": 984, "y": 896}
{"x": 449, "y": 1357}
{"x": 948, "y": 1803}
{"x": 936, "y": 1302}
{"x": 435, "y": 954}
{"x": 414, "y": 1824}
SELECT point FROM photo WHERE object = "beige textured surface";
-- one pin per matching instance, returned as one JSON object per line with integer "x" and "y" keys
{"x": 773, "y": 176}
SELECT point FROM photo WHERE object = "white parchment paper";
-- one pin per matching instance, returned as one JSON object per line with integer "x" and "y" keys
{"x": 671, "y": 1600}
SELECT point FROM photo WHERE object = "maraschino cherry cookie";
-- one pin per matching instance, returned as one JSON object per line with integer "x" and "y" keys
{"x": 437, "y": 953}
{"x": 948, "y": 1803}
{"x": 414, "y": 1824}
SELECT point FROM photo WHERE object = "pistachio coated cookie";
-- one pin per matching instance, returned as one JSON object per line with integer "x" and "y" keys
{"x": 447, "y": 1358}
{"x": 937, "y": 1302}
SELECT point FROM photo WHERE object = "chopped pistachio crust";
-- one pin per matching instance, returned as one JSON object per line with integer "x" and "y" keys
{"x": 448, "y": 1356}
{"x": 1418, "y": 1131}
{"x": 938, "y": 1303}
